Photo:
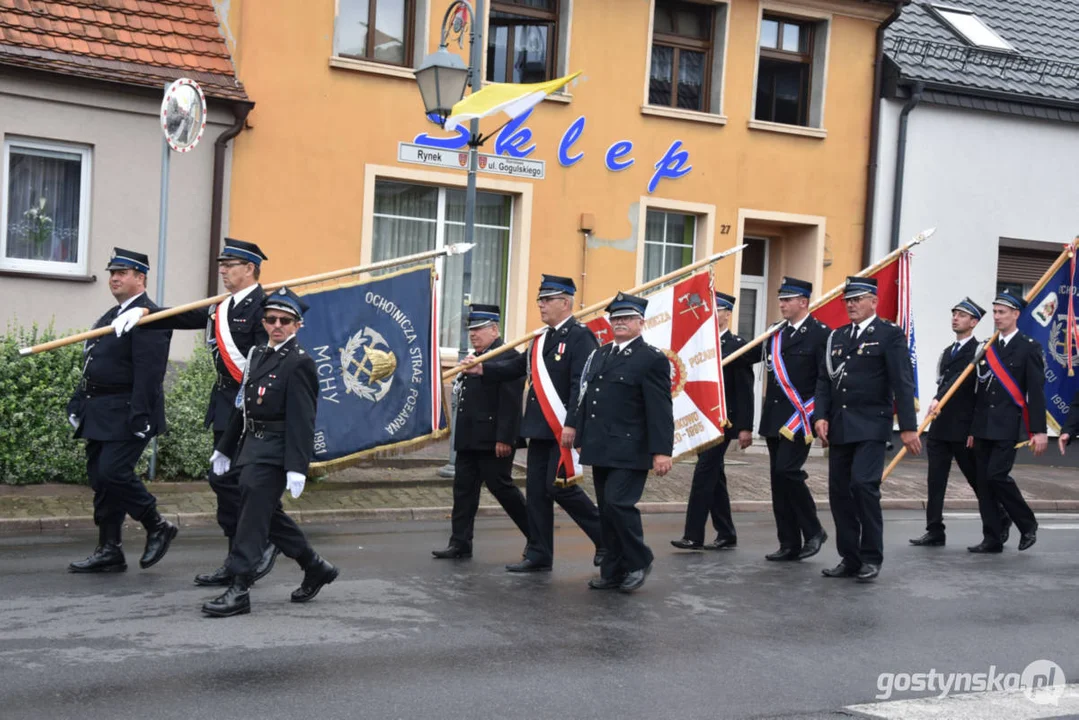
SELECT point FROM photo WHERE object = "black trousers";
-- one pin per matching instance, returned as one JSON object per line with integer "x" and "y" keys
{"x": 940, "y": 454}
{"x": 541, "y": 494}
{"x": 262, "y": 517}
{"x": 792, "y": 503}
{"x": 854, "y": 476}
{"x": 118, "y": 491}
{"x": 227, "y": 489}
{"x": 472, "y": 470}
{"x": 708, "y": 495}
{"x": 993, "y": 460}
{"x": 618, "y": 491}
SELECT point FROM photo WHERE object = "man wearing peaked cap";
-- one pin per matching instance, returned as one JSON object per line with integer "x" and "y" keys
{"x": 948, "y": 434}
{"x": 232, "y": 329}
{"x": 485, "y": 438}
{"x": 1009, "y": 407}
{"x": 792, "y": 357}
{"x": 270, "y": 439}
{"x": 118, "y": 407}
{"x": 625, "y": 427}
{"x": 708, "y": 492}
{"x": 867, "y": 373}
{"x": 549, "y": 421}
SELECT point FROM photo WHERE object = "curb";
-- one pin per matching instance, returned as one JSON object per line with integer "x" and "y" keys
{"x": 17, "y": 526}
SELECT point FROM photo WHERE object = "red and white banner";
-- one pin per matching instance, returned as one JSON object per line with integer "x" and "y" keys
{"x": 681, "y": 322}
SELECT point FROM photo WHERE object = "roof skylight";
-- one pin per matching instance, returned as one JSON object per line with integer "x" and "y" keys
{"x": 972, "y": 29}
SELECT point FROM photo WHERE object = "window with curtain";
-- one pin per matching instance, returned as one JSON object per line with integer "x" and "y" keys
{"x": 668, "y": 242}
{"x": 412, "y": 218}
{"x": 522, "y": 41}
{"x": 681, "y": 55}
{"x": 785, "y": 71}
{"x": 377, "y": 30}
{"x": 45, "y": 207}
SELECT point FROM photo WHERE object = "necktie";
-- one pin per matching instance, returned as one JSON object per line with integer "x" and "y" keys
{"x": 854, "y": 334}
{"x": 955, "y": 349}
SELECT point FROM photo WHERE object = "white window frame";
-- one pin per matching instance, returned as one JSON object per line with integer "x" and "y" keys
{"x": 822, "y": 39}
{"x": 421, "y": 35}
{"x": 664, "y": 244}
{"x": 440, "y": 241}
{"x": 995, "y": 41}
{"x": 48, "y": 267}
{"x": 703, "y": 232}
{"x": 718, "y": 69}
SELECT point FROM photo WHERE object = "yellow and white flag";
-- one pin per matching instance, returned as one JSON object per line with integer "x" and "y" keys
{"x": 513, "y": 99}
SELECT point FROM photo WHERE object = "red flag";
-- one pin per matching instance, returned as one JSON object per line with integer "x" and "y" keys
{"x": 834, "y": 312}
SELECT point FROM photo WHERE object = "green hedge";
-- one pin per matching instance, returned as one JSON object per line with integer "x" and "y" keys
{"x": 36, "y": 444}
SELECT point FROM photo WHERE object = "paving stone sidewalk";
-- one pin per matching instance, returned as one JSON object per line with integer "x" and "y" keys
{"x": 409, "y": 487}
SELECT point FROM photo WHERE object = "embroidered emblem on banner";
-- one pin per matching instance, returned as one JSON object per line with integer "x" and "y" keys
{"x": 370, "y": 375}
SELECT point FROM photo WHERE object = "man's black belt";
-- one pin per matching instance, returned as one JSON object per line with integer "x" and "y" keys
{"x": 226, "y": 382}
{"x": 92, "y": 388}
{"x": 260, "y": 426}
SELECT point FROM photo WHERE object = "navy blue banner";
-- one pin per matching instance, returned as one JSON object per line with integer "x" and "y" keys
{"x": 1046, "y": 320}
{"x": 375, "y": 346}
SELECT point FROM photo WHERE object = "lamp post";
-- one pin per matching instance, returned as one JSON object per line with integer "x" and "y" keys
{"x": 442, "y": 78}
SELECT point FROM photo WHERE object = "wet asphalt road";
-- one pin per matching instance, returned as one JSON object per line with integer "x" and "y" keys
{"x": 400, "y": 635}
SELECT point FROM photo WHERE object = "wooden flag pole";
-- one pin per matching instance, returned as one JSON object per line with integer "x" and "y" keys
{"x": 834, "y": 292}
{"x": 596, "y": 307}
{"x": 954, "y": 387}
{"x": 455, "y": 249}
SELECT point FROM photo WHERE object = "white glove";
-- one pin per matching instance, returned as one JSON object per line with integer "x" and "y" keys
{"x": 220, "y": 463}
{"x": 74, "y": 420}
{"x": 295, "y": 481}
{"x": 126, "y": 320}
{"x": 141, "y": 434}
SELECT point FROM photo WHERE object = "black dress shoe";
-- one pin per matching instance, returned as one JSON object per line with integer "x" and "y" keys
{"x": 930, "y": 539}
{"x": 685, "y": 544}
{"x": 269, "y": 556}
{"x": 633, "y": 580}
{"x": 812, "y": 545}
{"x": 219, "y": 577}
{"x": 783, "y": 553}
{"x": 158, "y": 538}
{"x": 315, "y": 575}
{"x": 235, "y": 601}
{"x": 1006, "y": 531}
{"x": 986, "y": 547}
{"x": 527, "y": 566}
{"x": 868, "y": 573}
{"x": 602, "y": 583}
{"x": 107, "y": 558}
{"x": 597, "y": 559}
{"x": 1028, "y": 538}
{"x": 722, "y": 543}
{"x": 842, "y": 570}
{"x": 452, "y": 552}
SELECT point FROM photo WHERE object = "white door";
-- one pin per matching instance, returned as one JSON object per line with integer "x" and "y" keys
{"x": 753, "y": 305}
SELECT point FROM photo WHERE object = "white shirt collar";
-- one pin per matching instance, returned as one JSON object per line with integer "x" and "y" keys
{"x": 124, "y": 305}
{"x": 286, "y": 342}
{"x": 798, "y": 324}
{"x": 239, "y": 295}
{"x": 619, "y": 347}
{"x": 1007, "y": 338}
{"x": 723, "y": 332}
{"x": 564, "y": 321}
{"x": 965, "y": 340}
{"x": 865, "y": 323}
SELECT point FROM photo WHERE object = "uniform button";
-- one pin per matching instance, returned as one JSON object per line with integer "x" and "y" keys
{"x": 844, "y": 407}
{"x": 593, "y": 415}
{"x": 593, "y": 402}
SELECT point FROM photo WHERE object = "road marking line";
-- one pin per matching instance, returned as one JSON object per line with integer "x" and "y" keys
{"x": 997, "y": 705}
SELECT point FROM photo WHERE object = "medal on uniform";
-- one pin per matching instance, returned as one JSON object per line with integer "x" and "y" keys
{"x": 558, "y": 351}
{"x": 262, "y": 391}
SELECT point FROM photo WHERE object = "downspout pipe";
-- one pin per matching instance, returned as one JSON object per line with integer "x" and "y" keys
{"x": 901, "y": 160}
{"x": 240, "y": 111}
{"x": 874, "y": 136}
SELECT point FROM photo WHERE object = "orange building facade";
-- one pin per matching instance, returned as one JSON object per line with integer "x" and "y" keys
{"x": 695, "y": 127}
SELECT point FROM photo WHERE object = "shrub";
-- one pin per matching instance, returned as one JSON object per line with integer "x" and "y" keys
{"x": 184, "y": 452}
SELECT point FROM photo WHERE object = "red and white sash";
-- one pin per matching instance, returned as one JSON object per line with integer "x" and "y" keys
{"x": 234, "y": 360}
{"x": 554, "y": 410}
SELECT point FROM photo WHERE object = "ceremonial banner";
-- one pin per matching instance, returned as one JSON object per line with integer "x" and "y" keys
{"x": 375, "y": 346}
{"x": 1047, "y": 319}
{"x": 893, "y": 303}
{"x": 680, "y": 321}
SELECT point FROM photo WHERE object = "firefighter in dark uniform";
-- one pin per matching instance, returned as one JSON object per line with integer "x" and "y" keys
{"x": 788, "y": 431}
{"x": 625, "y": 428}
{"x": 239, "y": 265}
{"x": 950, "y": 430}
{"x": 118, "y": 407}
{"x": 708, "y": 493}
{"x": 1009, "y": 408}
{"x": 566, "y": 345}
{"x": 485, "y": 439}
{"x": 1070, "y": 429}
{"x": 270, "y": 439}
{"x": 866, "y": 373}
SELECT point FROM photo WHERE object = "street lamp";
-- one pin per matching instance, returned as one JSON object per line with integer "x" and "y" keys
{"x": 442, "y": 77}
